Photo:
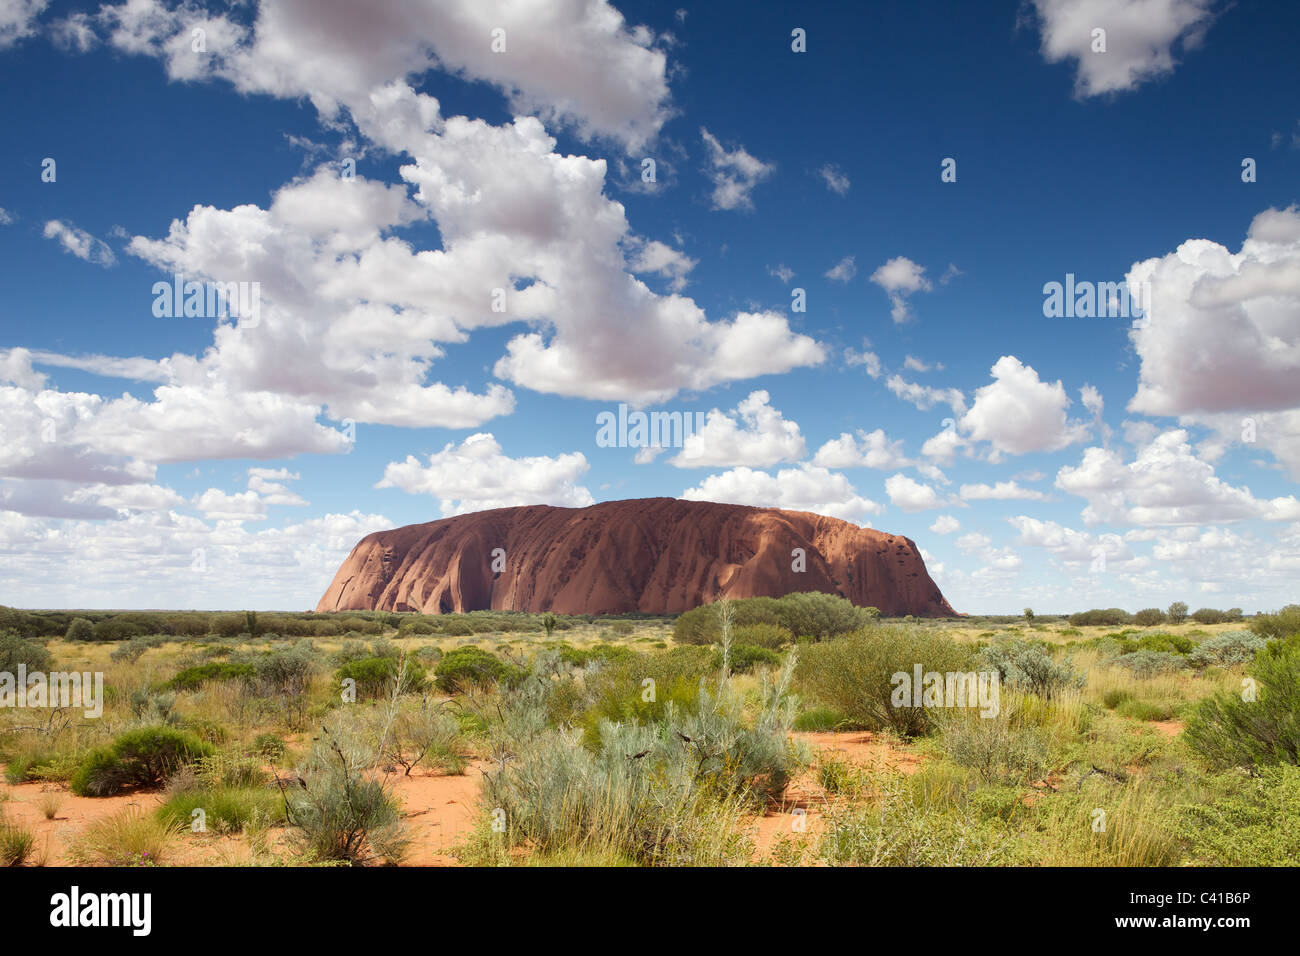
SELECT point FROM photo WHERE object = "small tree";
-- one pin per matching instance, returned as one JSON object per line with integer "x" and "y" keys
{"x": 1029, "y": 614}
{"x": 81, "y": 629}
{"x": 1178, "y": 612}
{"x": 548, "y": 624}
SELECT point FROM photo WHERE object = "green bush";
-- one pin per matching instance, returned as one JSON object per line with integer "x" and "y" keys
{"x": 1283, "y": 623}
{"x": 1030, "y": 666}
{"x": 771, "y": 636}
{"x": 1149, "y": 617}
{"x": 1231, "y": 730}
{"x": 1209, "y": 615}
{"x": 854, "y": 674}
{"x": 81, "y": 630}
{"x": 15, "y": 651}
{"x": 142, "y": 757}
{"x": 601, "y": 653}
{"x": 803, "y": 614}
{"x": 744, "y": 658}
{"x": 192, "y": 678}
{"x": 1105, "y": 617}
{"x": 1177, "y": 612}
{"x": 101, "y": 774}
{"x": 467, "y": 667}
{"x": 374, "y": 676}
{"x": 457, "y": 627}
{"x": 1166, "y": 643}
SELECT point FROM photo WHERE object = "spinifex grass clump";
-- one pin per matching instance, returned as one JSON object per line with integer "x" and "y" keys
{"x": 668, "y": 791}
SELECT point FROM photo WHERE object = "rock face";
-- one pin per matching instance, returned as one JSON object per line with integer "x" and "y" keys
{"x": 653, "y": 555}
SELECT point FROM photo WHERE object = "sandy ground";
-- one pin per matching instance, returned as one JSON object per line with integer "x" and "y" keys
{"x": 440, "y": 809}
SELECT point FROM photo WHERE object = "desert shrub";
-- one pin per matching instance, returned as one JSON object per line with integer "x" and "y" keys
{"x": 1166, "y": 643}
{"x": 600, "y": 653}
{"x": 287, "y": 671}
{"x": 374, "y": 676}
{"x": 1149, "y": 617}
{"x": 1283, "y": 623}
{"x": 425, "y": 733}
{"x": 467, "y": 667}
{"x": 1030, "y": 666}
{"x": 1144, "y": 664}
{"x": 854, "y": 674}
{"x": 100, "y": 774}
{"x": 225, "y": 809}
{"x": 804, "y": 614}
{"x": 814, "y": 614}
{"x": 743, "y": 658}
{"x": 1226, "y": 650}
{"x": 702, "y": 625}
{"x": 1256, "y": 824}
{"x": 1001, "y": 748}
{"x": 1105, "y": 617}
{"x": 150, "y": 706}
{"x": 1232, "y": 730}
{"x": 119, "y": 629}
{"x": 1177, "y": 612}
{"x": 142, "y": 757}
{"x": 129, "y": 837}
{"x": 192, "y": 678}
{"x": 622, "y": 628}
{"x": 640, "y": 689}
{"x": 131, "y": 651}
{"x": 658, "y": 793}
{"x": 16, "y": 651}
{"x": 340, "y": 813}
{"x": 81, "y": 630}
{"x": 457, "y": 627}
{"x": 771, "y": 636}
{"x": 1209, "y": 615}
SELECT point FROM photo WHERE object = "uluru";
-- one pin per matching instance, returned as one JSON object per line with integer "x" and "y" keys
{"x": 647, "y": 555}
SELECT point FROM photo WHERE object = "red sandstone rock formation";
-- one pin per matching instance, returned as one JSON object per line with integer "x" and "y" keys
{"x": 653, "y": 555}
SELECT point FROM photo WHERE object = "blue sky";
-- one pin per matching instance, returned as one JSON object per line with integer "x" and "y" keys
{"x": 1047, "y": 462}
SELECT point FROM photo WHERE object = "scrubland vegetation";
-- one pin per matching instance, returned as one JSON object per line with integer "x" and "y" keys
{"x": 757, "y": 731}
